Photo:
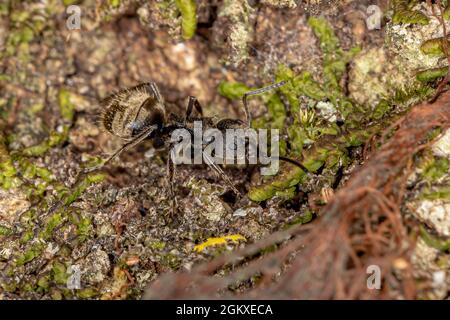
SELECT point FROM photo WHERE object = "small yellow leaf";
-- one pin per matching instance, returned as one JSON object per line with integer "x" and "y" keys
{"x": 210, "y": 242}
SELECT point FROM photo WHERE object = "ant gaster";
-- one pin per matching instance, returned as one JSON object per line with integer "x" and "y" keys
{"x": 138, "y": 113}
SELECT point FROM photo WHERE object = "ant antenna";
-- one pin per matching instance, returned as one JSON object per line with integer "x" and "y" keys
{"x": 248, "y": 116}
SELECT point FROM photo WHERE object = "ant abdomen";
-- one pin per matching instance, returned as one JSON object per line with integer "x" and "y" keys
{"x": 128, "y": 112}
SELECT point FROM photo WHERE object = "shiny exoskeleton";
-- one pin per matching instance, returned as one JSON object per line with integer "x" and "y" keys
{"x": 139, "y": 113}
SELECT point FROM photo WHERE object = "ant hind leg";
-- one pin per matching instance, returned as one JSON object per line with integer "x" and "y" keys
{"x": 170, "y": 167}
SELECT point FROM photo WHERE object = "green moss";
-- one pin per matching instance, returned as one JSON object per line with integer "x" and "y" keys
{"x": 157, "y": 245}
{"x": 286, "y": 194}
{"x": 114, "y": 3}
{"x": 410, "y": 95}
{"x": 34, "y": 251}
{"x": 87, "y": 293}
{"x": 55, "y": 139}
{"x": 4, "y": 9}
{"x": 277, "y": 112}
{"x": 329, "y": 43}
{"x": 27, "y": 236}
{"x": 9, "y": 286}
{"x": 170, "y": 260}
{"x": 434, "y": 47}
{"x": 334, "y": 58}
{"x": 66, "y": 106}
{"x": 303, "y": 218}
{"x": 403, "y": 13}
{"x": 82, "y": 186}
{"x": 5, "y": 231}
{"x": 43, "y": 283}
{"x": 84, "y": 227}
{"x": 289, "y": 90}
{"x": 329, "y": 141}
{"x": 59, "y": 273}
{"x": 305, "y": 85}
{"x": 52, "y": 222}
{"x": 288, "y": 178}
{"x": 439, "y": 194}
{"x": 8, "y": 178}
{"x": 382, "y": 108}
{"x": 447, "y": 13}
{"x": 30, "y": 171}
{"x": 331, "y": 155}
{"x": 69, "y": 2}
{"x": 431, "y": 75}
{"x": 434, "y": 242}
{"x": 233, "y": 90}
{"x": 335, "y": 61}
{"x": 187, "y": 9}
{"x": 436, "y": 168}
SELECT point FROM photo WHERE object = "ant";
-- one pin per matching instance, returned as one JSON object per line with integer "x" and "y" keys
{"x": 138, "y": 113}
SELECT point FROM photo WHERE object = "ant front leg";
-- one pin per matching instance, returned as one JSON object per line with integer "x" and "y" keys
{"x": 193, "y": 103}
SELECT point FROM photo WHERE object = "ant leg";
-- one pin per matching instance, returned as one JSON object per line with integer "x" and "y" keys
{"x": 248, "y": 116}
{"x": 170, "y": 182}
{"x": 138, "y": 139}
{"x": 193, "y": 103}
{"x": 86, "y": 171}
{"x": 296, "y": 163}
{"x": 219, "y": 171}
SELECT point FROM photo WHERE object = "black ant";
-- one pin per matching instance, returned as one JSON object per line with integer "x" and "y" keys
{"x": 139, "y": 113}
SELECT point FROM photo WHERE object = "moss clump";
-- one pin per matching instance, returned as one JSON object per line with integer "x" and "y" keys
{"x": 8, "y": 178}
{"x": 435, "y": 47}
{"x": 5, "y": 231}
{"x": 87, "y": 293}
{"x": 59, "y": 273}
{"x": 170, "y": 260}
{"x": 447, "y": 13}
{"x": 404, "y": 13}
{"x": 431, "y": 74}
{"x": 303, "y": 218}
{"x": 302, "y": 84}
{"x": 52, "y": 222}
{"x": 334, "y": 58}
{"x": 114, "y": 3}
{"x": 434, "y": 242}
{"x": 381, "y": 109}
{"x": 26, "y": 22}
{"x": 32, "y": 252}
{"x": 84, "y": 228}
{"x": 43, "y": 283}
{"x": 232, "y": 90}
{"x": 67, "y": 110}
{"x": 66, "y": 106}
{"x": 82, "y": 186}
{"x": 435, "y": 168}
{"x": 438, "y": 194}
{"x": 157, "y": 245}
{"x": 187, "y": 9}
{"x": 54, "y": 139}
